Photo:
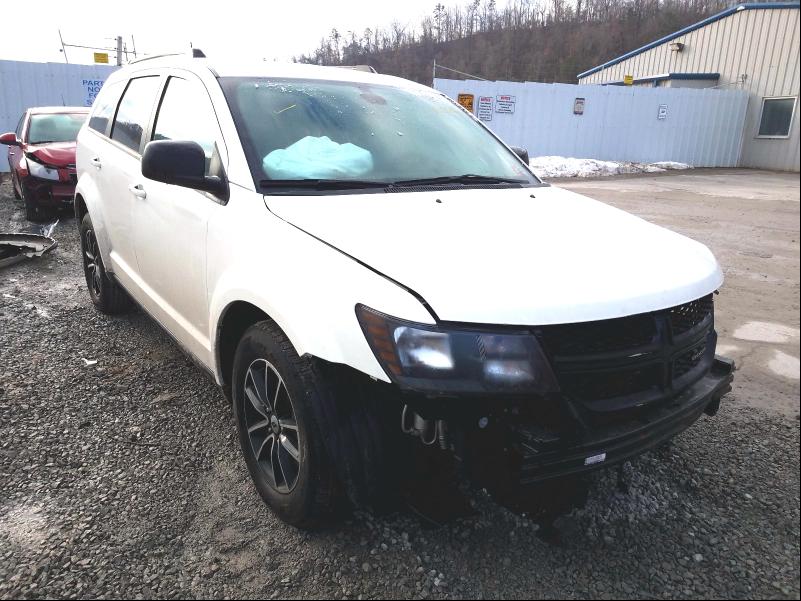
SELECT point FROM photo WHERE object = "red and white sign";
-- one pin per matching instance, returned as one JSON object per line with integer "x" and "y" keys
{"x": 485, "y": 108}
{"x": 505, "y": 104}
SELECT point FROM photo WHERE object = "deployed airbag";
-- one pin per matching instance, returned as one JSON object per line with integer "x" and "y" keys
{"x": 318, "y": 158}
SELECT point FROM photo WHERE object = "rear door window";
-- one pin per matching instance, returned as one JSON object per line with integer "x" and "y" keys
{"x": 134, "y": 112}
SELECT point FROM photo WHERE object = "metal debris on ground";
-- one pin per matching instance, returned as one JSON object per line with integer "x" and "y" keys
{"x": 18, "y": 246}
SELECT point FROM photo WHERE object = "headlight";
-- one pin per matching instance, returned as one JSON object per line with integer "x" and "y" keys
{"x": 451, "y": 360}
{"x": 39, "y": 170}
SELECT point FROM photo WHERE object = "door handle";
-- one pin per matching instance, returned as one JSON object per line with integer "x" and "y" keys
{"x": 96, "y": 162}
{"x": 137, "y": 191}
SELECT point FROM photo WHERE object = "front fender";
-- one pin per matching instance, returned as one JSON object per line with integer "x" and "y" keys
{"x": 307, "y": 287}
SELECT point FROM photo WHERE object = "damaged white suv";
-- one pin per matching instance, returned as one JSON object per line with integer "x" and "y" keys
{"x": 373, "y": 277}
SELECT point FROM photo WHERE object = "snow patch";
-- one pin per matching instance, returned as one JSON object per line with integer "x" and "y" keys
{"x": 762, "y": 331}
{"x": 555, "y": 167}
{"x": 25, "y": 526}
{"x": 784, "y": 365}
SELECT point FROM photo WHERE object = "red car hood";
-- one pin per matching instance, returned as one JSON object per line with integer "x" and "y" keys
{"x": 58, "y": 154}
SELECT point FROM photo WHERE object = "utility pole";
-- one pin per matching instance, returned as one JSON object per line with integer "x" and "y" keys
{"x": 63, "y": 49}
{"x": 119, "y": 51}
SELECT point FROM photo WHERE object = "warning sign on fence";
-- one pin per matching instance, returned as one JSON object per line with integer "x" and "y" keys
{"x": 505, "y": 104}
{"x": 485, "y": 108}
{"x": 466, "y": 100}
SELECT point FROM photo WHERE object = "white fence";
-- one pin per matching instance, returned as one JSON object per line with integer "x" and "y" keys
{"x": 703, "y": 128}
{"x": 23, "y": 85}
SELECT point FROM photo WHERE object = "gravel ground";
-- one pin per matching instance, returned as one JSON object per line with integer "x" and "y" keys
{"x": 123, "y": 478}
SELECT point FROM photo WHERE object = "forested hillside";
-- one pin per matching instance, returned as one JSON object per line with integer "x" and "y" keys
{"x": 534, "y": 40}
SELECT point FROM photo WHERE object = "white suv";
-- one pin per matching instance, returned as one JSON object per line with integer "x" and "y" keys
{"x": 373, "y": 278}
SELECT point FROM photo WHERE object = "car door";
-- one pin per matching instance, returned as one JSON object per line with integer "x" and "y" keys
{"x": 119, "y": 163}
{"x": 171, "y": 221}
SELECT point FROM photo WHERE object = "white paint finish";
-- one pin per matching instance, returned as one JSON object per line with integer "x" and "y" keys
{"x": 762, "y": 331}
{"x": 785, "y": 365}
{"x": 763, "y": 45}
{"x": 702, "y": 127}
{"x": 495, "y": 257}
{"x": 503, "y": 257}
{"x": 24, "y": 85}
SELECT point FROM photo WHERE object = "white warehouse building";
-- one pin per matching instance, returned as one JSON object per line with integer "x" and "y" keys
{"x": 753, "y": 47}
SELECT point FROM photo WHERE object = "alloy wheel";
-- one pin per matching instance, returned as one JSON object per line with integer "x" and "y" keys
{"x": 272, "y": 428}
{"x": 91, "y": 262}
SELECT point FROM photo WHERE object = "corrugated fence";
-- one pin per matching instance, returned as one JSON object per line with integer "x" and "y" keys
{"x": 23, "y": 85}
{"x": 703, "y": 128}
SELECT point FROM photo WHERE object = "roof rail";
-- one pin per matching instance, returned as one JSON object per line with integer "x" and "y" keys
{"x": 147, "y": 58}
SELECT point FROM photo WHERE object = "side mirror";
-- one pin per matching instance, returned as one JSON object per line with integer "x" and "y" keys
{"x": 9, "y": 139}
{"x": 181, "y": 164}
{"x": 521, "y": 152}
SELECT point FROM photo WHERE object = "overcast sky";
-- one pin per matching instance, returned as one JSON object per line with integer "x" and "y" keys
{"x": 271, "y": 29}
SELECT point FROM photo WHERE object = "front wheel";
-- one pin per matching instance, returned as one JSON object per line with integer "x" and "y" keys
{"x": 280, "y": 437}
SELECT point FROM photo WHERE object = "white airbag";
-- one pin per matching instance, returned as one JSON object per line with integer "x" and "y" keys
{"x": 318, "y": 158}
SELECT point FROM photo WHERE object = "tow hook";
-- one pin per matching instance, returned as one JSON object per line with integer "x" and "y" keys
{"x": 429, "y": 431}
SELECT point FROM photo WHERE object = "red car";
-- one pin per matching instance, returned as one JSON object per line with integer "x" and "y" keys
{"x": 41, "y": 156}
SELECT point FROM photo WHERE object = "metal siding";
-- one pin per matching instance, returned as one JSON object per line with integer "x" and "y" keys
{"x": 619, "y": 122}
{"x": 764, "y": 44}
{"x": 24, "y": 85}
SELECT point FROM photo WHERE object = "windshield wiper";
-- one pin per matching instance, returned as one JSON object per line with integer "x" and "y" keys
{"x": 321, "y": 184}
{"x": 467, "y": 178}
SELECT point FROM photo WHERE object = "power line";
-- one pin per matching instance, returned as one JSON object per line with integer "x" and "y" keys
{"x": 436, "y": 66}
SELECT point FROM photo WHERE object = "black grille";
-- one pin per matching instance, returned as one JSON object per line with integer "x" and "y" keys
{"x": 689, "y": 315}
{"x": 689, "y": 360}
{"x": 611, "y": 363}
{"x": 600, "y": 336}
{"x": 611, "y": 384}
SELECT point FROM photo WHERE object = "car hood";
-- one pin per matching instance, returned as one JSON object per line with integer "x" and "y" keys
{"x": 58, "y": 154}
{"x": 530, "y": 256}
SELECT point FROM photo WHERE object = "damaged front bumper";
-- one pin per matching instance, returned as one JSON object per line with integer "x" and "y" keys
{"x": 47, "y": 193}
{"x": 545, "y": 455}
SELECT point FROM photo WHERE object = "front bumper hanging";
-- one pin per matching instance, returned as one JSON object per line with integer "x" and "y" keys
{"x": 545, "y": 455}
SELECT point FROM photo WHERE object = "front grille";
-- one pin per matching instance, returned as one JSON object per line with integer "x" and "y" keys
{"x": 600, "y": 336}
{"x": 689, "y": 315}
{"x": 612, "y": 384}
{"x": 689, "y": 360}
{"x": 618, "y": 363}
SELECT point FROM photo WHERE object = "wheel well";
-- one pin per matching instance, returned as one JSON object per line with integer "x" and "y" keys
{"x": 236, "y": 319}
{"x": 80, "y": 208}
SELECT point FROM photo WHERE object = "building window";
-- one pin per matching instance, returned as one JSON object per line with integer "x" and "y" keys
{"x": 777, "y": 115}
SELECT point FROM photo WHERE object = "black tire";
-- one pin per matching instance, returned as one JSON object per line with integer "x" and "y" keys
{"x": 309, "y": 499}
{"x": 14, "y": 186}
{"x": 105, "y": 293}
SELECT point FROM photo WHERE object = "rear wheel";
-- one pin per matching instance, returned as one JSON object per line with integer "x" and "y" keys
{"x": 105, "y": 293}
{"x": 280, "y": 437}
